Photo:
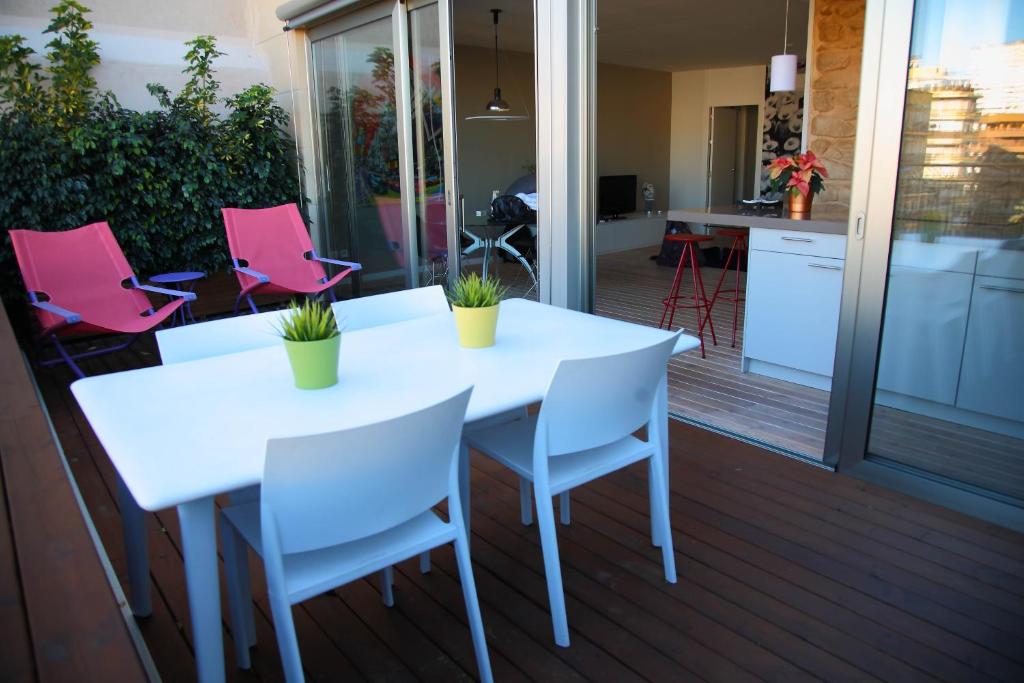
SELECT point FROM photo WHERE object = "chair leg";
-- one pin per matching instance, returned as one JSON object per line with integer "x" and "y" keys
{"x": 252, "y": 304}
{"x": 464, "y": 483}
{"x": 657, "y": 530}
{"x": 425, "y": 562}
{"x": 387, "y": 580}
{"x": 563, "y": 508}
{"x": 552, "y": 568}
{"x": 287, "y": 641}
{"x": 525, "y": 502}
{"x": 67, "y": 358}
{"x": 476, "y": 624}
{"x": 660, "y": 511}
{"x": 236, "y": 563}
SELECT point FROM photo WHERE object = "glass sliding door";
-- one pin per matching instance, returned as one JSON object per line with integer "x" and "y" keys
{"x": 378, "y": 109}
{"x": 949, "y": 395}
{"x": 428, "y": 145}
{"x": 943, "y": 337}
{"x": 360, "y": 208}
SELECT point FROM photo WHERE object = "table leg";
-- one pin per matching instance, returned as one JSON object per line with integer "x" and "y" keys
{"x": 503, "y": 244}
{"x": 136, "y": 549}
{"x": 199, "y": 538}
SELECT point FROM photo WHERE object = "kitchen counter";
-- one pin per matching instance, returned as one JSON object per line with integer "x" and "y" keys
{"x": 826, "y": 221}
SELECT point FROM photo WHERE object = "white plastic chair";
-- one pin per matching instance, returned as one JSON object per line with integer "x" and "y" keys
{"x": 584, "y": 430}
{"x": 257, "y": 331}
{"x": 341, "y": 505}
{"x": 392, "y": 307}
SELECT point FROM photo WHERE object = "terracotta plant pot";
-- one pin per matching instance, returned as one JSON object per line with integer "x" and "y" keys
{"x": 800, "y": 205}
{"x": 314, "y": 363}
{"x": 476, "y": 326}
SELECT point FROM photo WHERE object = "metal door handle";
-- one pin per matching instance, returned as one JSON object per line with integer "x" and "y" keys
{"x": 824, "y": 266}
{"x": 797, "y": 239}
{"x": 997, "y": 288}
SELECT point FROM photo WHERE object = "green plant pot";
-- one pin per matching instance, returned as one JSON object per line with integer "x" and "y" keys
{"x": 476, "y": 326}
{"x": 314, "y": 364}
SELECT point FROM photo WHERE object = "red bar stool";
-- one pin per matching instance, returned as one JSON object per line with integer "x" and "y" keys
{"x": 738, "y": 249}
{"x": 700, "y": 298}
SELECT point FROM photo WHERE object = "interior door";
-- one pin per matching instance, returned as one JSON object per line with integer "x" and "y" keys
{"x": 378, "y": 110}
{"x": 722, "y": 156}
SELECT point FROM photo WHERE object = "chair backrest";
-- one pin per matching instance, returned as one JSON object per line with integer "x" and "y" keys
{"x": 80, "y": 270}
{"x": 257, "y": 331}
{"x": 393, "y": 307}
{"x": 218, "y": 337}
{"x": 595, "y": 401}
{"x": 336, "y": 487}
{"x": 273, "y": 241}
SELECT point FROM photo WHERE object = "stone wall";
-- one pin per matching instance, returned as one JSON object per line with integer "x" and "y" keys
{"x": 837, "y": 45}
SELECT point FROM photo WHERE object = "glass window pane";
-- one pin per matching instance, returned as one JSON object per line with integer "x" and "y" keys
{"x": 949, "y": 397}
{"x": 360, "y": 210}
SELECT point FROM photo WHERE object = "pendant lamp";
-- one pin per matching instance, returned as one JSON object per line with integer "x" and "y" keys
{"x": 784, "y": 66}
{"x": 498, "y": 109}
{"x": 498, "y": 105}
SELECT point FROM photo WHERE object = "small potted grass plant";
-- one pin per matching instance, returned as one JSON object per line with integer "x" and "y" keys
{"x": 313, "y": 342}
{"x": 475, "y": 305}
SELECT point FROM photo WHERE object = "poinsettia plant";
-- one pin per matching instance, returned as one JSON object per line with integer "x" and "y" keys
{"x": 801, "y": 174}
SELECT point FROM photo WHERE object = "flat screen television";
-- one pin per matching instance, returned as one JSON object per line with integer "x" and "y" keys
{"x": 616, "y": 195}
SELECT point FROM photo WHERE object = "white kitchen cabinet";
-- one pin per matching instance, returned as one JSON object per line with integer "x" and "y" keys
{"x": 923, "y": 333}
{"x": 792, "y": 315}
{"x": 992, "y": 379}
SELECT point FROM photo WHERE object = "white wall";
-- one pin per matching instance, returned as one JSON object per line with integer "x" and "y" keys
{"x": 693, "y": 95}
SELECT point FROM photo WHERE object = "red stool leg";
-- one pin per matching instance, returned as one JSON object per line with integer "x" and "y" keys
{"x": 701, "y": 300}
{"x": 740, "y": 246}
{"x": 673, "y": 292}
{"x": 725, "y": 269}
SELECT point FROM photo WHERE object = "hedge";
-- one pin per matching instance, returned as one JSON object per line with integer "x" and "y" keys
{"x": 70, "y": 155}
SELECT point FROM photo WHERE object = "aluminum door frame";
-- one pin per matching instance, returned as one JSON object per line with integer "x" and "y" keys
{"x": 884, "y": 72}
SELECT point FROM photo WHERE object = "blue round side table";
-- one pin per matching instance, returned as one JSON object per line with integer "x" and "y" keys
{"x": 185, "y": 281}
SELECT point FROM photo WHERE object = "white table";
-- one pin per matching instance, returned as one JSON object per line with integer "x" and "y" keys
{"x": 226, "y": 407}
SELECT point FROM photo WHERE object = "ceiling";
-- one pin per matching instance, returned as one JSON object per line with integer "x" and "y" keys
{"x": 665, "y": 35}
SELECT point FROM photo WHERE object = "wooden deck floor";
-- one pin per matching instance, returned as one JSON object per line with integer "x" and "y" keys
{"x": 714, "y": 391}
{"x": 786, "y": 573}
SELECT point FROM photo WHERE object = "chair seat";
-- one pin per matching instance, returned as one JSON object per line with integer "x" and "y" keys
{"x": 512, "y": 445}
{"x": 312, "y": 573}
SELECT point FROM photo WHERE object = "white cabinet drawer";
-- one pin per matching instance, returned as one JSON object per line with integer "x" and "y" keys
{"x": 992, "y": 376}
{"x": 797, "y": 242}
{"x": 792, "y": 312}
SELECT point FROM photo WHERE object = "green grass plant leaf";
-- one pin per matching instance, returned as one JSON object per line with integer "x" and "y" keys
{"x": 309, "y": 321}
{"x": 470, "y": 291}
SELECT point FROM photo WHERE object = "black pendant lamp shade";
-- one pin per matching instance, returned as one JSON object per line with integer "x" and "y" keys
{"x": 497, "y": 105}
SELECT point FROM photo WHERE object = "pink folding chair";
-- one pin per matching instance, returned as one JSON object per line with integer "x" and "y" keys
{"x": 80, "y": 283}
{"x": 272, "y": 254}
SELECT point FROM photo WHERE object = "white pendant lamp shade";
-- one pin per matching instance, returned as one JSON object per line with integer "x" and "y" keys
{"x": 783, "y": 73}
{"x": 784, "y": 66}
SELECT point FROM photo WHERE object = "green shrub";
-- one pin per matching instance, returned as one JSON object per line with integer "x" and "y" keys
{"x": 470, "y": 291}
{"x": 70, "y": 155}
{"x": 312, "y": 320}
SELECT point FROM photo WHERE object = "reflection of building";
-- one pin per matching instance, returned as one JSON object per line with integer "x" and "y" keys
{"x": 962, "y": 167}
